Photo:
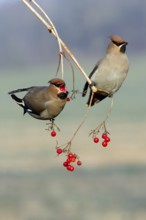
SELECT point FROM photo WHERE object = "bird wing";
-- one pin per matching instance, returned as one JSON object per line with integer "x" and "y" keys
{"x": 36, "y": 98}
{"x": 90, "y": 75}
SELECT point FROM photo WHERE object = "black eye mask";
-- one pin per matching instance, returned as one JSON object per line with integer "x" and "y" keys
{"x": 123, "y": 48}
{"x": 62, "y": 95}
{"x": 122, "y": 44}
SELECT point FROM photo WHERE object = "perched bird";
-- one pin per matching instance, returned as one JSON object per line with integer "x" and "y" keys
{"x": 110, "y": 72}
{"x": 43, "y": 102}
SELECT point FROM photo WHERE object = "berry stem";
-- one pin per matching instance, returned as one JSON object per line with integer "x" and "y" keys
{"x": 69, "y": 143}
{"x": 103, "y": 123}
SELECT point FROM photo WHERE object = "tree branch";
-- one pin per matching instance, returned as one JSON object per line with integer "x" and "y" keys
{"x": 52, "y": 30}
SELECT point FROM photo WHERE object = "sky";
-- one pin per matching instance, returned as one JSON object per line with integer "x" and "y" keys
{"x": 7, "y": 1}
{"x": 3, "y": 1}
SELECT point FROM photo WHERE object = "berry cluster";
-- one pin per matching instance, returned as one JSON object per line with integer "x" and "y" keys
{"x": 105, "y": 141}
{"x": 70, "y": 159}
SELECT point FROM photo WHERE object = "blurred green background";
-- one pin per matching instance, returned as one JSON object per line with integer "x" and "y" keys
{"x": 111, "y": 182}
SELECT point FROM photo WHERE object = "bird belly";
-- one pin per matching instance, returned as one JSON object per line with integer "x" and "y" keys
{"x": 109, "y": 82}
{"x": 42, "y": 116}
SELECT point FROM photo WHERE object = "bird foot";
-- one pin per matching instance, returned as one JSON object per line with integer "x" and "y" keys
{"x": 52, "y": 126}
{"x": 74, "y": 92}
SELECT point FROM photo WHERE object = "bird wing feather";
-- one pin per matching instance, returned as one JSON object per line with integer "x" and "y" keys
{"x": 90, "y": 75}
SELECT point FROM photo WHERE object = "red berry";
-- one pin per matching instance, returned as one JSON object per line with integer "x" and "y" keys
{"x": 104, "y": 144}
{"x": 96, "y": 140}
{"x": 70, "y": 168}
{"x": 104, "y": 135}
{"x": 70, "y": 155}
{"x": 79, "y": 163}
{"x": 65, "y": 164}
{"x": 68, "y": 160}
{"x": 53, "y": 133}
{"x": 107, "y": 139}
{"x": 68, "y": 99}
{"x": 73, "y": 159}
{"x": 59, "y": 151}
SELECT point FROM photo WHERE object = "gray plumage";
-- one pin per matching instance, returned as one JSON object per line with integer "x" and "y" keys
{"x": 43, "y": 102}
{"x": 110, "y": 72}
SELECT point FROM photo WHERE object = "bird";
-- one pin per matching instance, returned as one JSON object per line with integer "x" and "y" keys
{"x": 43, "y": 102}
{"x": 109, "y": 72}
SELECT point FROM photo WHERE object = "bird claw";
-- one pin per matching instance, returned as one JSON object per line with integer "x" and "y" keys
{"x": 74, "y": 92}
{"x": 51, "y": 126}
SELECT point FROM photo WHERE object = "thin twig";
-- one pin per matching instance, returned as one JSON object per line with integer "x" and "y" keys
{"x": 73, "y": 78}
{"x": 84, "y": 119}
{"x": 67, "y": 147}
{"x": 94, "y": 89}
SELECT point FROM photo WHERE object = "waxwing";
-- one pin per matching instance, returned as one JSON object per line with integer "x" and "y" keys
{"x": 110, "y": 72}
{"x": 43, "y": 102}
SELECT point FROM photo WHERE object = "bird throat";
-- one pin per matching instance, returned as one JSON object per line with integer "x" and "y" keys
{"x": 123, "y": 48}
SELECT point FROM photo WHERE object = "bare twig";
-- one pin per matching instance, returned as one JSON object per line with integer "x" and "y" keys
{"x": 74, "y": 91}
{"x": 68, "y": 145}
{"x": 84, "y": 119}
{"x": 52, "y": 30}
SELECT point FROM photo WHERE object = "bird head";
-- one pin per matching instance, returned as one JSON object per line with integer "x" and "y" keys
{"x": 117, "y": 44}
{"x": 59, "y": 87}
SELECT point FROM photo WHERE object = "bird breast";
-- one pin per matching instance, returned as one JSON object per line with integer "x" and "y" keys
{"x": 53, "y": 108}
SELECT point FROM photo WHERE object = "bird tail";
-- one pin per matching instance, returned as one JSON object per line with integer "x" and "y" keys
{"x": 85, "y": 89}
{"x": 20, "y": 102}
{"x": 97, "y": 97}
{"x": 19, "y": 90}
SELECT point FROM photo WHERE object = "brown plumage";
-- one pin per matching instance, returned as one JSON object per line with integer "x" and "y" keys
{"x": 43, "y": 102}
{"x": 110, "y": 72}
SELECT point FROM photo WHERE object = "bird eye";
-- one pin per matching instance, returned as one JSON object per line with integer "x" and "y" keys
{"x": 117, "y": 43}
{"x": 57, "y": 85}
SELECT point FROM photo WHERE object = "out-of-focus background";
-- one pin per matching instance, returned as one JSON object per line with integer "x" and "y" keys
{"x": 111, "y": 183}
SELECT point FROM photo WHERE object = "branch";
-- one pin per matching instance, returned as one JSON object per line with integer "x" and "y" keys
{"x": 52, "y": 30}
